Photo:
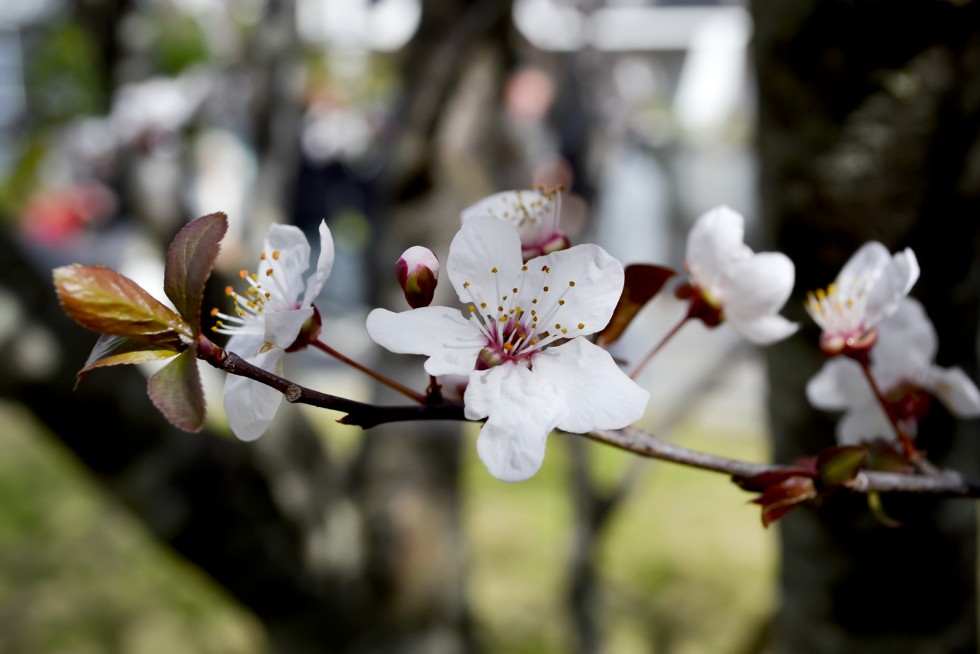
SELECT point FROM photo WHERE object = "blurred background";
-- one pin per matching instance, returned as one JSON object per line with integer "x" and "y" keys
{"x": 121, "y": 120}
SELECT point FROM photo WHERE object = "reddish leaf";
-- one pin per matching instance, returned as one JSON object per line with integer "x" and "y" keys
{"x": 764, "y": 480}
{"x": 105, "y": 301}
{"x": 176, "y": 391}
{"x": 839, "y": 465}
{"x": 119, "y": 350}
{"x": 779, "y": 499}
{"x": 643, "y": 282}
{"x": 190, "y": 259}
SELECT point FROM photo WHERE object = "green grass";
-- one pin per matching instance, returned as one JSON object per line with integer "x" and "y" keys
{"x": 80, "y": 575}
{"x": 685, "y": 566}
{"x": 685, "y": 550}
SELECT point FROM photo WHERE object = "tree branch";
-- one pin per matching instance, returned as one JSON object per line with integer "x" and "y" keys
{"x": 358, "y": 413}
{"x": 947, "y": 483}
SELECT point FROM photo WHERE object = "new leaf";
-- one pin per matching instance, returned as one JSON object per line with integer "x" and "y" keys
{"x": 104, "y": 301}
{"x": 190, "y": 259}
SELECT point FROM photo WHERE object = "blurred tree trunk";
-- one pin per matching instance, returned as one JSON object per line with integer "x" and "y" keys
{"x": 870, "y": 130}
{"x": 366, "y": 559}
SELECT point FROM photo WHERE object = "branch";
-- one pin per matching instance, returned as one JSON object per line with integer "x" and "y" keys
{"x": 358, "y": 413}
{"x": 947, "y": 483}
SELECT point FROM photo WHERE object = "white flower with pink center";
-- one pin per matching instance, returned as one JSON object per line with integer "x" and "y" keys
{"x": 533, "y": 213}
{"x": 869, "y": 288}
{"x": 267, "y": 320}
{"x": 520, "y": 342}
{"x": 903, "y": 368}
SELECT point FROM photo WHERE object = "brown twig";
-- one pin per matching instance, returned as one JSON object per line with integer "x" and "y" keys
{"x": 946, "y": 483}
{"x": 358, "y": 413}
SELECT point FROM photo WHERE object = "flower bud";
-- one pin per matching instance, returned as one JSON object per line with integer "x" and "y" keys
{"x": 418, "y": 273}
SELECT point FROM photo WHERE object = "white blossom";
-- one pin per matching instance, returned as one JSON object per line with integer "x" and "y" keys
{"x": 520, "y": 343}
{"x": 534, "y": 213}
{"x": 902, "y": 364}
{"x": 746, "y": 289}
{"x": 869, "y": 288}
{"x": 267, "y": 320}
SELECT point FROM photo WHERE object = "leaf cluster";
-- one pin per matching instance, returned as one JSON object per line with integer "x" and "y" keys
{"x": 135, "y": 327}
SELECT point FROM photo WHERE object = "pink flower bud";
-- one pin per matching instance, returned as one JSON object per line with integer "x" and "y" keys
{"x": 418, "y": 273}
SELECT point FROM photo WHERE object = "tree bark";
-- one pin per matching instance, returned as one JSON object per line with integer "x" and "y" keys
{"x": 869, "y": 129}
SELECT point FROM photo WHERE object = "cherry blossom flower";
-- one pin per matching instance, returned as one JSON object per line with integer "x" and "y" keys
{"x": 521, "y": 343}
{"x": 902, "y": 366}
{"x": 275, "y": 314}
{"x": 534, "y": 213}
{"x": 869, "y": 288}
{"x": 733, "y": 284}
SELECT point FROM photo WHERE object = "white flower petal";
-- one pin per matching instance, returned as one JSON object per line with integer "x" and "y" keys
{"x": 838, "y": 385}
{"x": 245, "y": 345}
{"x": 598, "y": 394}
{"x": 453, "y": 387}
{"x": 324, "y": 264}
{"x": 764, "y": 330}
{"x": 534, "y": 214}
{"x": 956, "y": 391}
{"x": 293, "y": 260}
{"x": 451, "y": 342}
{"x": 714, "y": 244}
{"x": 521, "y": 411}
{"x": 906, "y": 340}
{"x": 480, "y": 246}
{"x": 863, "y": 423}
{"x": 866, "y": 263}
{"x": 586, "y": 278}
{"x": 758, "y": 285}
{"x": 249, "y": 405}
{"x": 282, "y": 327}
{"x": 895, "y": 282}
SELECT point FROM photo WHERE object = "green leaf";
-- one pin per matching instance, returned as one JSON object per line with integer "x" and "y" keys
{"x": 878, "y": 510}
{"x": 839, "y": 465}
{"x": 176, "y": 391}
{"x": 120, "y": 350}
{"x": 883, "y": 456}
{"x": 109, "y": 303}
{"x": 643, "y": 282}
{"x": 190, "y": 259}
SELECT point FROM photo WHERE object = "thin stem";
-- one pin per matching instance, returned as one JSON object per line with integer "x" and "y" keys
{"x": 373, "y": 374}
{"x": 648, "y": 445}
{"x": 433, "y": 394}
{"x": 910, "y": 450}
{"x": 643, "y": 364}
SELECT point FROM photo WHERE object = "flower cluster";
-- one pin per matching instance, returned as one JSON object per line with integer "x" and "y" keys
{"x": 526, "y": 354}
{"x": 902, "y": 363}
